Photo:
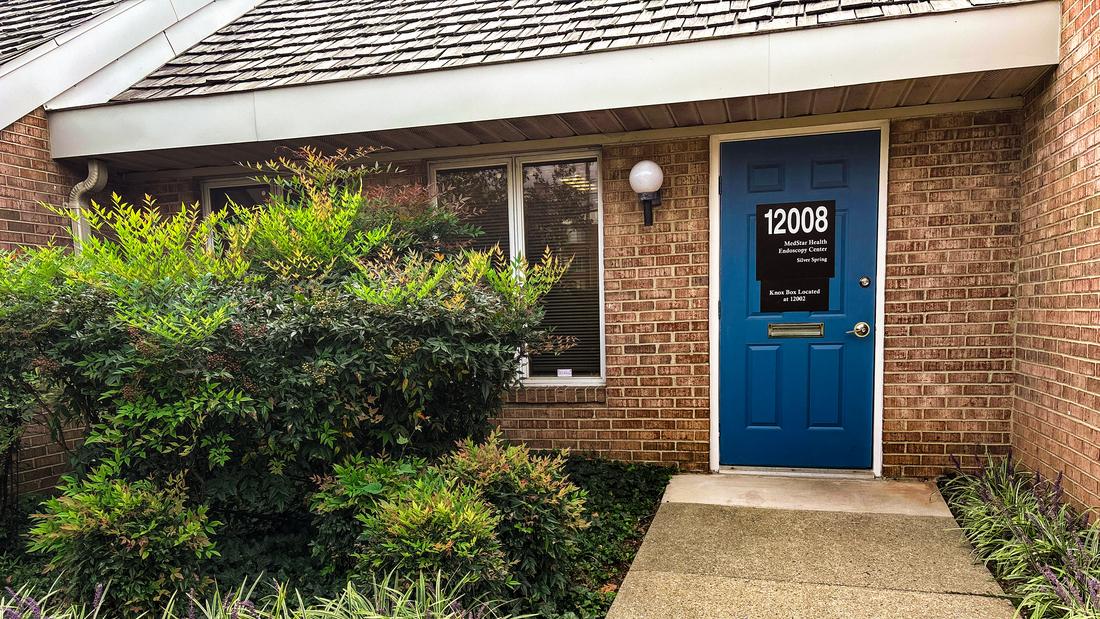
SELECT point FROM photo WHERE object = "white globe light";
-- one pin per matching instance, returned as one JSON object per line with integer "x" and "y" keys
{"x": 646, "y": 177}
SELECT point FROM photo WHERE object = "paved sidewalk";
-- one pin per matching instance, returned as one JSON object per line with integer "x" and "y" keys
{"x": 756, "y": 547}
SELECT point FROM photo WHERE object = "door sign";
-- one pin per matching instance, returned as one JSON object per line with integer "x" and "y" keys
{"x": 795, "y": 255}
{"x": 794, "y": 295}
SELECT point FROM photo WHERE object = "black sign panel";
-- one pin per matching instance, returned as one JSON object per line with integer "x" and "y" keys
{"x": 796, "y": 240}
{"x": 794, "y": 295}
{"x": 795, "y": 255}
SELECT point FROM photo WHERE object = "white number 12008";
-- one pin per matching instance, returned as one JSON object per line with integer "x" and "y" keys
{"x": 794, "y": 221}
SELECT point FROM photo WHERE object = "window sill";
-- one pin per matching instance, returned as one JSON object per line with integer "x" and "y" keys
{"x": 557, "y": 393}
{"x": 551, "y": 382}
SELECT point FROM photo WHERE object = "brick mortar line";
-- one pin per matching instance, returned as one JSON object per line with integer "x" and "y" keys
{"x": 1066, "y": 415}
{"x": 1050, "y": 456}
{"x": 1060, "y": 355}
{"x": 1068, "y": 465}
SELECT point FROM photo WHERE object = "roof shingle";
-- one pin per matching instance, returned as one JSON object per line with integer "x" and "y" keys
{"x": 26, "y": 24}
{"x": 284, "y": 42}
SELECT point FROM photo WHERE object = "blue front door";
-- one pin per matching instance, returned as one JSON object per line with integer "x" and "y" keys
{"x": 799, "y": 221}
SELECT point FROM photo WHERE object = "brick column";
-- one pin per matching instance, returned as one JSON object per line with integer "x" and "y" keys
{"x": 1056, "y": 423}
{"x": 950, "y": 278}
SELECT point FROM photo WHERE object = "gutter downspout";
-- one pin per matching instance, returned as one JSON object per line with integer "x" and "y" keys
{"x": 79, "y": 199}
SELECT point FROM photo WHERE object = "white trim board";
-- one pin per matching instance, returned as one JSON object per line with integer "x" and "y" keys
{"x": 1003, "y": 37}
{"x": 161, "y": 47}
{"x": 883, "y": 126}
{"x": 155, "y": 29}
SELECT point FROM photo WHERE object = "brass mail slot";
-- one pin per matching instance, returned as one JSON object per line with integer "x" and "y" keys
{"x": 796, "y": 329}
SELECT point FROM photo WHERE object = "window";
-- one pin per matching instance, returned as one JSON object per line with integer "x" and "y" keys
{"x": 245, "y": 192}
{"x": 526, "y": 204}
{"x": 486, "y": 192}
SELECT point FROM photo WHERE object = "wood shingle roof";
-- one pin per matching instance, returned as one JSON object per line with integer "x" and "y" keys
{"x": 26, "y": 24}
{"x": 291, "y": 42}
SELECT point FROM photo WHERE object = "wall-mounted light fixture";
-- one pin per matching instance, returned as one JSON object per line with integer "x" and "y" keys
{"x": 646, "y": 179}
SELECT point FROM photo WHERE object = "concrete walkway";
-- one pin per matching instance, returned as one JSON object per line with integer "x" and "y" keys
{"x": 755, "y": 547}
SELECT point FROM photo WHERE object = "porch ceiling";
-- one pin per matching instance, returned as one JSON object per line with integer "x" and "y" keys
{"x": 531, "y": 132}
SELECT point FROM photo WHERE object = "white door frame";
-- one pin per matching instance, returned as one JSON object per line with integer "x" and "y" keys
{"x": 880, "y": 284}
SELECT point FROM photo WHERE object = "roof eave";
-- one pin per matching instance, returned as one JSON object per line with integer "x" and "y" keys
{"x": 52, "y": 68}
{"x": 1008, "y": 36}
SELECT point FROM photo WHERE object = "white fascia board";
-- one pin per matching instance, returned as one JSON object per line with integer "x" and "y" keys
{"x": 96, "y": 21}
{"x": 116, "y": 76}
{"x": 1019, "y": 35}
{"x": 79, "y": 55}
{"x": 204, "y": 18}
{"x": 589, "y": 81}
{"x": 187, "y": 7}
{"x": 1023, "y": 35}
{"x": 231, "y": 122}
{"x": 26, "y": 57}
{"x": 54, "y": 43}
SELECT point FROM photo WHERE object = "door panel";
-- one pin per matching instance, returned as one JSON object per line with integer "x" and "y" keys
{"x": 763, "y": 387}
{"x": 798, "y": 401}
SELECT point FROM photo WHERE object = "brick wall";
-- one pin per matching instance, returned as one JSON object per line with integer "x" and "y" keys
{"x": 42, "y": 459}
{"x": 951, "y": 250}
{"x": 655, "y": 406}
{"x": 28, "y": 176}
{"x": 1056, "y": 421}
{"x": 954, "y": 224}
{"x": 953, "y": 190}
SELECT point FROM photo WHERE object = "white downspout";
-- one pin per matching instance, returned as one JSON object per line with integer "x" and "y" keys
{"x": 79, "y": 199}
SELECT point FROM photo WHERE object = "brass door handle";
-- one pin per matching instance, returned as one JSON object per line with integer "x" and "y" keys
{"x": 861, "y": 329}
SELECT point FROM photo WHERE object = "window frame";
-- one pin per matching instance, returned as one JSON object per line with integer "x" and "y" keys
{"x": 513, "y": 165}
{"x": 221, "y": 183}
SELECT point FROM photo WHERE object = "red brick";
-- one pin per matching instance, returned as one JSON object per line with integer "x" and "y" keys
{"x": 1056, "y": 407}
{"x": 24, "y": 163}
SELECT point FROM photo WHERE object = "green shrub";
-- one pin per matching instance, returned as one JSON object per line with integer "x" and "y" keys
{"x": 434, "y": 525}
{"x": 541, "y": 512}
{"x": 240, "y": 355}
{"x": 331, "y": 320}
{"x": 356, "y": 486}
{"x": 622, "y": 499}
{"x": 140, "y": 537}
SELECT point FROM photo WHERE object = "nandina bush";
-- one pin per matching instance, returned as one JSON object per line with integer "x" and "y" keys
{"x": 430, "y": 525}
{"x": 374, "y": 513}
{"x": 240, "y": 355}
{"x": 411, "y": 518}
{"x": 541, "y": 512}
{"x": 356, "y": 487}
{"x": 142, "y": 538}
